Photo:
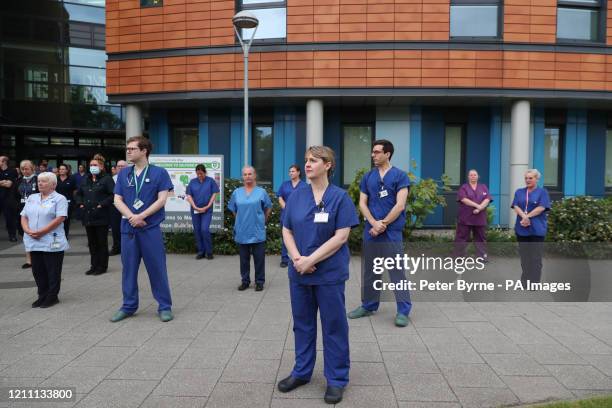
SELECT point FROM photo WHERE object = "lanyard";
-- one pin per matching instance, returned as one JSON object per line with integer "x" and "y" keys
{"x": 526, "y": 199}
{"x": 144, "y": 177}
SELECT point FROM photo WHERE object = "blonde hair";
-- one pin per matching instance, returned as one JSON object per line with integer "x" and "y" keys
{"x": 23, "y": 163}
{"x": 101, "y": 161}
{"x": 323, "y": 153}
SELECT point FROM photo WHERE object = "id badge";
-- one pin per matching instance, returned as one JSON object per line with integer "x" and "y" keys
{"x": 55, "y": 245}
{"x": 383, "y": 193}
{"x": 137, "y": 204}
{"x": 23, "y": 200}
{"x": 321, "y": 217}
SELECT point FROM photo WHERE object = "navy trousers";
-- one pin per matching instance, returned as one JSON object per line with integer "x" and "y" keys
{"x": 258, "y": 250}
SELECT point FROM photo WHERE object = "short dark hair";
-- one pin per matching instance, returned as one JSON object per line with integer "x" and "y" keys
{"x": 387, "y": 146}
{"x": 201, "y": 167}
{"x": 143, "y": 143}
{"x": 296, "y": 167}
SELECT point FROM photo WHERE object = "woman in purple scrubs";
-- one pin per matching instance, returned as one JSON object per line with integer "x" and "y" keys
{"x": 473, "y": 198}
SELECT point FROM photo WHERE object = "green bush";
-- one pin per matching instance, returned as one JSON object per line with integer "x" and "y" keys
{"x": 223, "y": 241}
{"x": 580, "y": 219}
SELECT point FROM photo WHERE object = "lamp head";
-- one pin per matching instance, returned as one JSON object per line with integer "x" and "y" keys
{"x": 244, "y": 19}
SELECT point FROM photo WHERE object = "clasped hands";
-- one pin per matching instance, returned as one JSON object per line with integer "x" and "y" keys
{"x": 137, "y": 220}
{"x": 525, "y": 221}
{"x": 34, "y": 234}
{"x": 378, "y": 227}
{"x": 201, "y": 210}
{"x": 478, "y": 209}
{"x": 303, "y": 265}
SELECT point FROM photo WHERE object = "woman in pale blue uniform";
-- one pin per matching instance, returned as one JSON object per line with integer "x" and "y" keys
{"x": 284, "y": 192}
{"x": 531, "y": 205}
{"x": 201, "y": 194}
{"x": 140, "y": 196}
{"x": 318, "y": 220}
{"x": 251, "y": 206}
{"x": 42, "y": 221}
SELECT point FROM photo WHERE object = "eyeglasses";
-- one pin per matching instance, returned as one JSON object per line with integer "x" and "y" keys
{"x": 131, "y": 149}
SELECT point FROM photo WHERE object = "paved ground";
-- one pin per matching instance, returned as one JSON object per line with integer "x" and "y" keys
{"x": 228, "y": 348}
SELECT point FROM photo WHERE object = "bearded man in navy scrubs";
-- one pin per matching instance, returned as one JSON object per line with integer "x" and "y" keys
{"x": 382, "y": 202}
{"x": 140, "y": 196}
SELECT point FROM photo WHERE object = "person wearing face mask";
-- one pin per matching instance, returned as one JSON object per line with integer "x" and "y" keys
{"x": 94, "y": 197}
{"x": 27, "y": 185}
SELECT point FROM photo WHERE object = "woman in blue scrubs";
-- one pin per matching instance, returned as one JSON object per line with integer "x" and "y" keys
{"x": 201, "y": 193}
{"x": 283, "y": 194}
{"x": 251, "y": 206}
{"x": 318, "y": 220}
{"x": 531, "y": 205}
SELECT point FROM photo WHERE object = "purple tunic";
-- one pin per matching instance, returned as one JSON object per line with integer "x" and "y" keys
{"x": 478, "y": 195}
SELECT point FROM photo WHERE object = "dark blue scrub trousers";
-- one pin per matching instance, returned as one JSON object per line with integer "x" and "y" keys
{"x": 387, "y": 245}
{"x": 201, "y": 227}
{"x": 329, "y": 301}
{"x": 259, "y": 259}
{"x": 148, "y": 245}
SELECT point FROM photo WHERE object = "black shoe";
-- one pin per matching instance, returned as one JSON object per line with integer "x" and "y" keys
{"x": 199, "y": 256}
{"x": 258, "y": 287}
{"x": 243, "y": 286}
{"x": 13, "y": 239}
{"x": 90, "y": 271}
{"x": 114, "y": 252}
{"x": 283, "y": 264}
{"x": 99, "y": 272}
{"x": 290, "y": 383}
{"x": 38, "y": 302}
{"x": 333, "y": 395}
{"x": 26, "y": 266}
{"x": 49, "y": 301}
{"x": 209, "y": 256}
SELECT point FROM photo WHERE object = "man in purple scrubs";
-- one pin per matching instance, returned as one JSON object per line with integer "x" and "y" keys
{"x": 473, "y": 198}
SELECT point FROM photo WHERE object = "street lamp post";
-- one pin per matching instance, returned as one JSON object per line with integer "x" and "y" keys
{"x": 245, "y": 20}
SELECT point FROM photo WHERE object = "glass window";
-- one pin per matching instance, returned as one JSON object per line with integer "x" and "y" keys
{"x": 86, "y": 76}
{"x": 272, "y": 23}
{"x": 552, "y": 149}
{"x": 98, "y": 3}
{"x": 185, "y": 140}
{"x": 609, "y": 159}
{"x": 474, "y": 20}
{"x": 453, "y": 154}
{"x": 59, "y": 140}
{"x": 85, "y": 13}
{"x": 36, "y": 82}
{"x": 356, "y": 151}
{"x": 86, "y": 57}
{"x": 90, "y": 141}
{"x": 35, "y": 140}
{"x": 263, "y": 152}
{"x": 87, "y": 94}
{"x": 580, "y": 20}
{"x": 151, "y": 3}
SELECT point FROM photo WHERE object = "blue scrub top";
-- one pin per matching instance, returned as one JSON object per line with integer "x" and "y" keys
{"x": 157, "y": 179}
{"x": 309, "y": 236}
{"x": 201, "y": 192}
{"x": 40, "y": 213}
{"x": 250, "y": 225}
{"x": 285, "y": 191}
{"x": 537, "y": 198}
{"x": 371, "y": 185}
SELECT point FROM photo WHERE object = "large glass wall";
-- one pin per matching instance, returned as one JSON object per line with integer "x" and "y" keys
{"x": 53, "y": 73}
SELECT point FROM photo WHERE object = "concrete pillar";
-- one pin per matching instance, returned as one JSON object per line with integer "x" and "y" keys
{"x": 133, "y": 121}
{"x": 519, "y": 148}
{"x": 314, "y": 123}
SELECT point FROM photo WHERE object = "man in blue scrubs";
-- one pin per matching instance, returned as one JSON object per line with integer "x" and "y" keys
{"x": 140, "y": 196}
{"x": 382, "y": 202}
{"x": 318, "y": 220}
{"x": 201, "y": 193}
{"x": 283, "y": 194}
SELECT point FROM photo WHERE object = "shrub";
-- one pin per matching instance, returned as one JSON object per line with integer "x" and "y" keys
{"x": 580, "y": 219}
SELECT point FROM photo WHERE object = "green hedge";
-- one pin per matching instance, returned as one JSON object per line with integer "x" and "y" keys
{"x": 580, "y": 219}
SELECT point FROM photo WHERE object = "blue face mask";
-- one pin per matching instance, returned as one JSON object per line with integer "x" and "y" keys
{"x": 94, "y": 170}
